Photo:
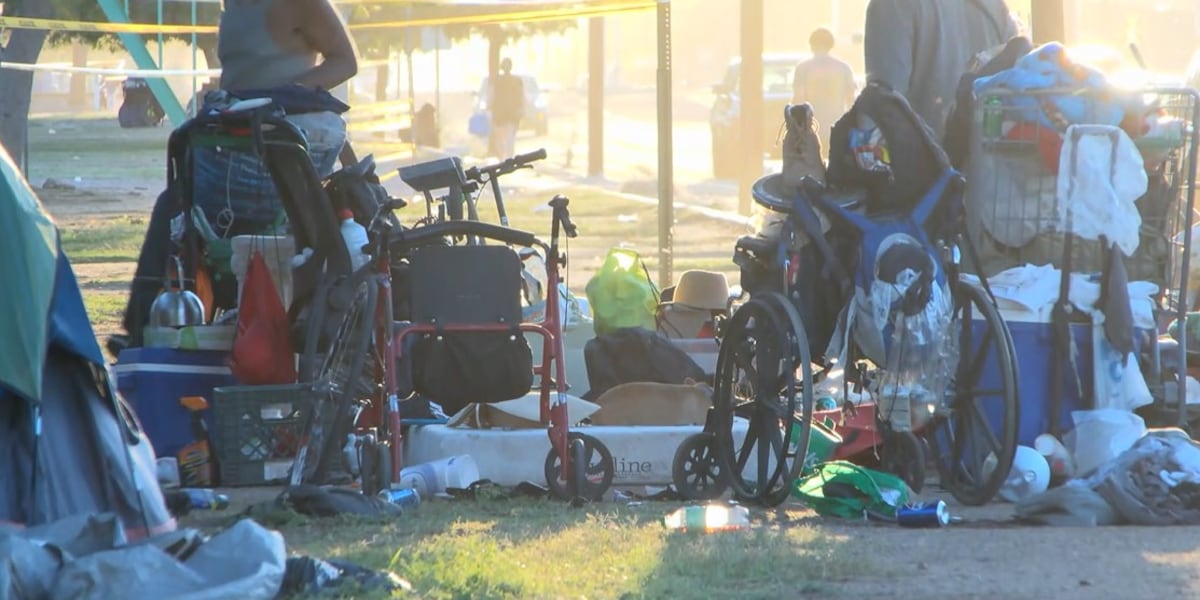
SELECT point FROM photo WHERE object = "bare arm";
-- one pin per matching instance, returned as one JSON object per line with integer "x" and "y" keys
{"x": 323, "y": 30}
{"x": 888, "y": 44}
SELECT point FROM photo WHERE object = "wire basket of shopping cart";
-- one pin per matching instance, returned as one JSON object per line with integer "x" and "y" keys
{"x": 1088, "y": 185}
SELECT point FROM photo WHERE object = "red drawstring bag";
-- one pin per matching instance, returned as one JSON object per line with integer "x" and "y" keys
{"x": 262, "y": 349}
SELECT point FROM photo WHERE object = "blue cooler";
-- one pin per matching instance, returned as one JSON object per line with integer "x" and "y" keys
{"x": 1034, "y": 345}
{"x": 154, "y": 379}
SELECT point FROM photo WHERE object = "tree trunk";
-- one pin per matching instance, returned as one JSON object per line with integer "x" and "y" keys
{"x": 24, "y": 46}
{"x": 495, "y": 43}
{"x": 79, "y": 81}
{"x": 382, "y": 78}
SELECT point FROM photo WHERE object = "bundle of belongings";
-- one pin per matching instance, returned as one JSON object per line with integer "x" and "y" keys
{"x": 1059, "y": 149}
{"x": 1155, "y": 482}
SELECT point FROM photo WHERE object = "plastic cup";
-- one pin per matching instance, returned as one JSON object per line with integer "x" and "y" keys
{"x": 436, "y": 477}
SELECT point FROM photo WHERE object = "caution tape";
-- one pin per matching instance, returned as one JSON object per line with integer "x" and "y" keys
{"x": 97, "y": 27}
{"x": 147, "y": 73}
{"x": 523, "y": 16}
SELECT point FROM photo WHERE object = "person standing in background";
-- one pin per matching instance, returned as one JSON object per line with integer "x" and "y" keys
{"x": 824, "y": 82}
{"x": 921, "y": 48}
{"x": 508, "y": 106}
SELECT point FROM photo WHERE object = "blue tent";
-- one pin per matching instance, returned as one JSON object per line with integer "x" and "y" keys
{"x": 69, "y": 445}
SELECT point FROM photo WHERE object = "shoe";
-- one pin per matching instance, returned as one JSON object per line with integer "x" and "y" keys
{"x": 115, "y": 344}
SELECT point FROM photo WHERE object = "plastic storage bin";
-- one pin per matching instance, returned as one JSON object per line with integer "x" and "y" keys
{"x": 154, "y": 379}
{"x": 256, "y": 431}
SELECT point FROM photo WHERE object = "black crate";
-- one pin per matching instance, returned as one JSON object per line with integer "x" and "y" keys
{"x": 256, "y": 430}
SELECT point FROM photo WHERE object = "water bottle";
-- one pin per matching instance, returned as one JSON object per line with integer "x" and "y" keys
{"x": 355, "y": 236}
{"x": 206, "y": 499}
{"x": 708, "y": 519}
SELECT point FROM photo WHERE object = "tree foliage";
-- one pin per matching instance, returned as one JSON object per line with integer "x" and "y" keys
{"x": 377, "y": 43}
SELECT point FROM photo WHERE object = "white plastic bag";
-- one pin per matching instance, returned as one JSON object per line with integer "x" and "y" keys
{"x": 1102, "y": 435}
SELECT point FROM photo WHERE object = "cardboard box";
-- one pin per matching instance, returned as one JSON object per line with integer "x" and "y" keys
{"x": 641, "y": 455}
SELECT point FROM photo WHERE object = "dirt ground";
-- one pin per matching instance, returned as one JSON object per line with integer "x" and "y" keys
{"x": 984, "y": 556}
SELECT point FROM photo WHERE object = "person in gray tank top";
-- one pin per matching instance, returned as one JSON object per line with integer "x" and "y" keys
{"x": 263, "y": 45}
{"x": 269, "y": 43}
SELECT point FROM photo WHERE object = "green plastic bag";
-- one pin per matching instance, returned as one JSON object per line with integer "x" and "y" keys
{"x": 621, "y": 293}
{"x": 843, "y": 489}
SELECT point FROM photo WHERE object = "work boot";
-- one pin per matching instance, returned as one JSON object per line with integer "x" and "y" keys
{"x": 801, "y": 146}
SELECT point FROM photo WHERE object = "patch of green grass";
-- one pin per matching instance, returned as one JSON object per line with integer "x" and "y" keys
{"x": 95, "y": 149}
{"x": 115, "y": 239}
{"x": 105, "y": 309}
{"x": 543, "y": 549}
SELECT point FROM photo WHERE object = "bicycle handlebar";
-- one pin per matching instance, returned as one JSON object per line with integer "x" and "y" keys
{"x": 505, "y": 166}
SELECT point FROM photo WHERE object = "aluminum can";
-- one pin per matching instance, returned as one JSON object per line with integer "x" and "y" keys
{"x": 406, "y": 498}
{"x": 924, "y": 514}
{"x": 993, "y": 118}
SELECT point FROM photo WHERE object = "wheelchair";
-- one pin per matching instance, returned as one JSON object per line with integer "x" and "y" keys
{"x": 895, "y": 320}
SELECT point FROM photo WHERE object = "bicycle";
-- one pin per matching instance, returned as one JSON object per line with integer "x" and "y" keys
{"x": 464, "y": 187}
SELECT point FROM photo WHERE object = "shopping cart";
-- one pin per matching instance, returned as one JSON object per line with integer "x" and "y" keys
{"x": 1051, "y": 174}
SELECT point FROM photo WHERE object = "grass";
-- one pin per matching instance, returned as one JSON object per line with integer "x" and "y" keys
{"x": 95, "y": 149}
{"x": 503, "y": 548}
{"x": 102, "y": 240}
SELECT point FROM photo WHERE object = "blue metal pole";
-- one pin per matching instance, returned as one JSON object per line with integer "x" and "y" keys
{"x": 136, "y": 47}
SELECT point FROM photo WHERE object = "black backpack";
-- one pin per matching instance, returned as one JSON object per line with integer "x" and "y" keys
{"x": 917, "y": 159}
{"x": 635, "y": 354}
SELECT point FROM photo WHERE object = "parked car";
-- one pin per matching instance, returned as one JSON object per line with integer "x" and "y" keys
{"x": 725, "y": 116}
{"x": 536, "y": 111}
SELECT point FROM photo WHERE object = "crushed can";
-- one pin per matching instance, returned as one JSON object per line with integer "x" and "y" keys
{"x": 923, "y": 515}
{"x": 405, "y": 498}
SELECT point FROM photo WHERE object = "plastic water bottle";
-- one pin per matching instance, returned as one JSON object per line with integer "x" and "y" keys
{"x": 708, "y": 519}
{"x": 355, "y": 236}
{"x": 206, "y": 499}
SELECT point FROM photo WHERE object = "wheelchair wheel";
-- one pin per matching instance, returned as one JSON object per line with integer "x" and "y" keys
{"x": 904, "y": 455}
{"x": 696, "y": 472}
{"x": 589, "y": 483}
{"x": 763, "y": 371}
{"x": 340, "y": 374}
{"x": 979, "y": 427}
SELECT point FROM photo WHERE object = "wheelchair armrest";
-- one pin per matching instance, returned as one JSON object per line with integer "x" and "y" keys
{"x": 428, "y": 233}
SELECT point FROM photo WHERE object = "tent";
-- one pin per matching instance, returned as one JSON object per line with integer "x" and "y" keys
{"x": 69, "y": 445}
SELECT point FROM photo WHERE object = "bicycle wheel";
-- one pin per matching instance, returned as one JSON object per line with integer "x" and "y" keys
{"x": 340, "y": 377}
{"x": 756, "y": 379}
{"x": 974, "y": 438}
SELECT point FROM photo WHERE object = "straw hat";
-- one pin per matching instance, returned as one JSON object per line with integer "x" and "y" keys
{"x": 703, "y": 290}
{"x": 697, "y": 296}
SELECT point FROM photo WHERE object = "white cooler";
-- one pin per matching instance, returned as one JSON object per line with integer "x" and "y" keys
{"x": 642, "y": 455}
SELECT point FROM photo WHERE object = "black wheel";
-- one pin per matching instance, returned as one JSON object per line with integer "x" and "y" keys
{"x": 764, "y": 348}
{"x": 597, "y": 474}
{"x": 696, "y": 472}
{"x": 904, "y": 455}
{"x": 341, "y": 376}
{"x": 978, "y": 427}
